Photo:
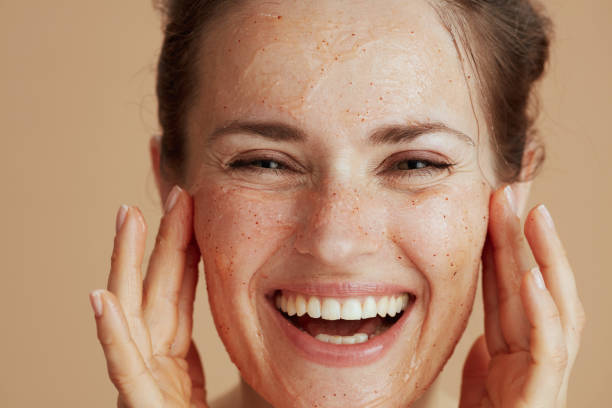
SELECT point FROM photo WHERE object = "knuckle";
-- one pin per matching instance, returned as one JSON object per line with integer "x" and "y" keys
{"x": 518, "y": 239}
{"x": 552, "y": 315}
{"x": 559, "y": 357}
{"x": 134, "y": 265}
{"x": 114, "y": 257}
{"x": 116, "y": 247}
{"x": 164, "y": 242}
{"x": 170, "y": 298}
{"x": 125, "y": 382}
{"x": 106, "y": 340}
{"x": 161, "y": 239}
{"x": 167, "y": 244}
{"x": 171, "y": 236}
{"x": 574, "y": 326}
{"x": 580, "y": 317}
{"x": 110, "y": 340}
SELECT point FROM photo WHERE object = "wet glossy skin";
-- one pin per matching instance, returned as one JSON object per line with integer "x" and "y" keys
{"x": 341, "y": 209}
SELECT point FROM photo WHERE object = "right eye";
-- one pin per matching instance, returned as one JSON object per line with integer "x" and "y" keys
{"x": 267, "y": 170}
{"x": 259, "y": 164}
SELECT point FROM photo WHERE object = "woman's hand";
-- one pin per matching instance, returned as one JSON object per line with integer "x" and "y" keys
{"x": 145, "y": 328}
{"x": 533, "y": 317}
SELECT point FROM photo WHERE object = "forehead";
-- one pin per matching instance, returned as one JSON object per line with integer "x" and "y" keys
{"x": 332, "y": 64}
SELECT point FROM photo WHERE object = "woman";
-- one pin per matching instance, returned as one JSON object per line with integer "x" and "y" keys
{"x": 344, "y": 168}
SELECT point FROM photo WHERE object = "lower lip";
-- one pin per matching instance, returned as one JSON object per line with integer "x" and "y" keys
{"x": 335, "y": 355}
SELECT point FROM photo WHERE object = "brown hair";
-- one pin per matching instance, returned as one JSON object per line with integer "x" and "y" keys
{"x": 184, "y": 22}
{"x": 506, "y": 43}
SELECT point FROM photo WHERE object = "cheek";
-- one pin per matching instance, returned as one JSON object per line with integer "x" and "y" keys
{"x": 237, "y": 230}
{"x": 442, "y": 232}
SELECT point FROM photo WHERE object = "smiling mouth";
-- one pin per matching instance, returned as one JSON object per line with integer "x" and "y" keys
{"x": 345, "y": 320}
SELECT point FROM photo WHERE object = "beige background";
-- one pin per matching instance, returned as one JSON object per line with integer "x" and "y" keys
{"x": 77, "y": 108}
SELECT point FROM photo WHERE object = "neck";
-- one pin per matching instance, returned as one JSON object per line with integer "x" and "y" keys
{"x": 434, "y": 397}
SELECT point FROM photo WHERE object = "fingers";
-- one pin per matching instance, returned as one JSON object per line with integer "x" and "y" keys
{"x": 557, "y": 273}
{"x": 552, "y": 260}
{"x": 182, "y": 340}
{"x": 162, "y": 285}
{"x": 126, "y": 366}
{"x": 547, "y": 342}
{"x": 511, "y": 259}
{"x": 493, "y": 333}
{"x": 125, "y": 278}
{"x": 165, "y": 304}
{"x": 475, "y": 371}
{"x": 535, "y": 312}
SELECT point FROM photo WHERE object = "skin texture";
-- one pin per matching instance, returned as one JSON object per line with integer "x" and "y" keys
{"x": 342, "y": 213}
{"x": 339, "y": 209}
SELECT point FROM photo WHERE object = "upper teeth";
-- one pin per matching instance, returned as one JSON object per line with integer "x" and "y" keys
{"x": 330, "y": 308}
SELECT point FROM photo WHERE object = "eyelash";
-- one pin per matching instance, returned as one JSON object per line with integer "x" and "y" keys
{"x": 431, "y": 167}
{"x": 247, "y": 165}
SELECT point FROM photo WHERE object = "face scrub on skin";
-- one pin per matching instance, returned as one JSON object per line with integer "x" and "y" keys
{"x": 341, "y": 197}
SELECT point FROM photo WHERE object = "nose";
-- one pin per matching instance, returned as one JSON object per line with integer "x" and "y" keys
{"x": 340, "y": 225}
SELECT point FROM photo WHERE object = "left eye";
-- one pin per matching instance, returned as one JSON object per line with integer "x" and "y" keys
{"x": 414, "y": 171}
{"x": 418, "y": 164}
{"x": 266, "y": 164}
{"x": 258, "y": 164}
{"x": 412, "y": 164}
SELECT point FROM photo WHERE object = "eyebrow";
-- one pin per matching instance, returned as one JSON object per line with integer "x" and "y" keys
{"x": 413, "y": 130}
{"x": 278, "y": 131}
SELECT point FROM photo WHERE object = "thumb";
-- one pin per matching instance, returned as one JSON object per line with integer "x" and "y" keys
{"x": 475, "y": 370}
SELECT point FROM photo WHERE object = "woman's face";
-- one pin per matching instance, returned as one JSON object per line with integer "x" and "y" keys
{"x": 338, "y": 173}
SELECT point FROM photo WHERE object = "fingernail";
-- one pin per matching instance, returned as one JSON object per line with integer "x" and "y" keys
{"x": 510, "y": 198}
{"x": 121, "y": 214}
{"x": 537, "y": 277}
{"x": 95, "y": 298}
{"x": 140, "y": 218}
{"x": 544, "y": 211}
{"x": 172, "y": 197}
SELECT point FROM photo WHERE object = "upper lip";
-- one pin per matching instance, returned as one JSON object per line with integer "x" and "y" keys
{"x": 341, "y": 289}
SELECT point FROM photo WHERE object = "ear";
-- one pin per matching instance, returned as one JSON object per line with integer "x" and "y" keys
{"x": 532, "y": 156}
{"x": 163, "y": 187}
